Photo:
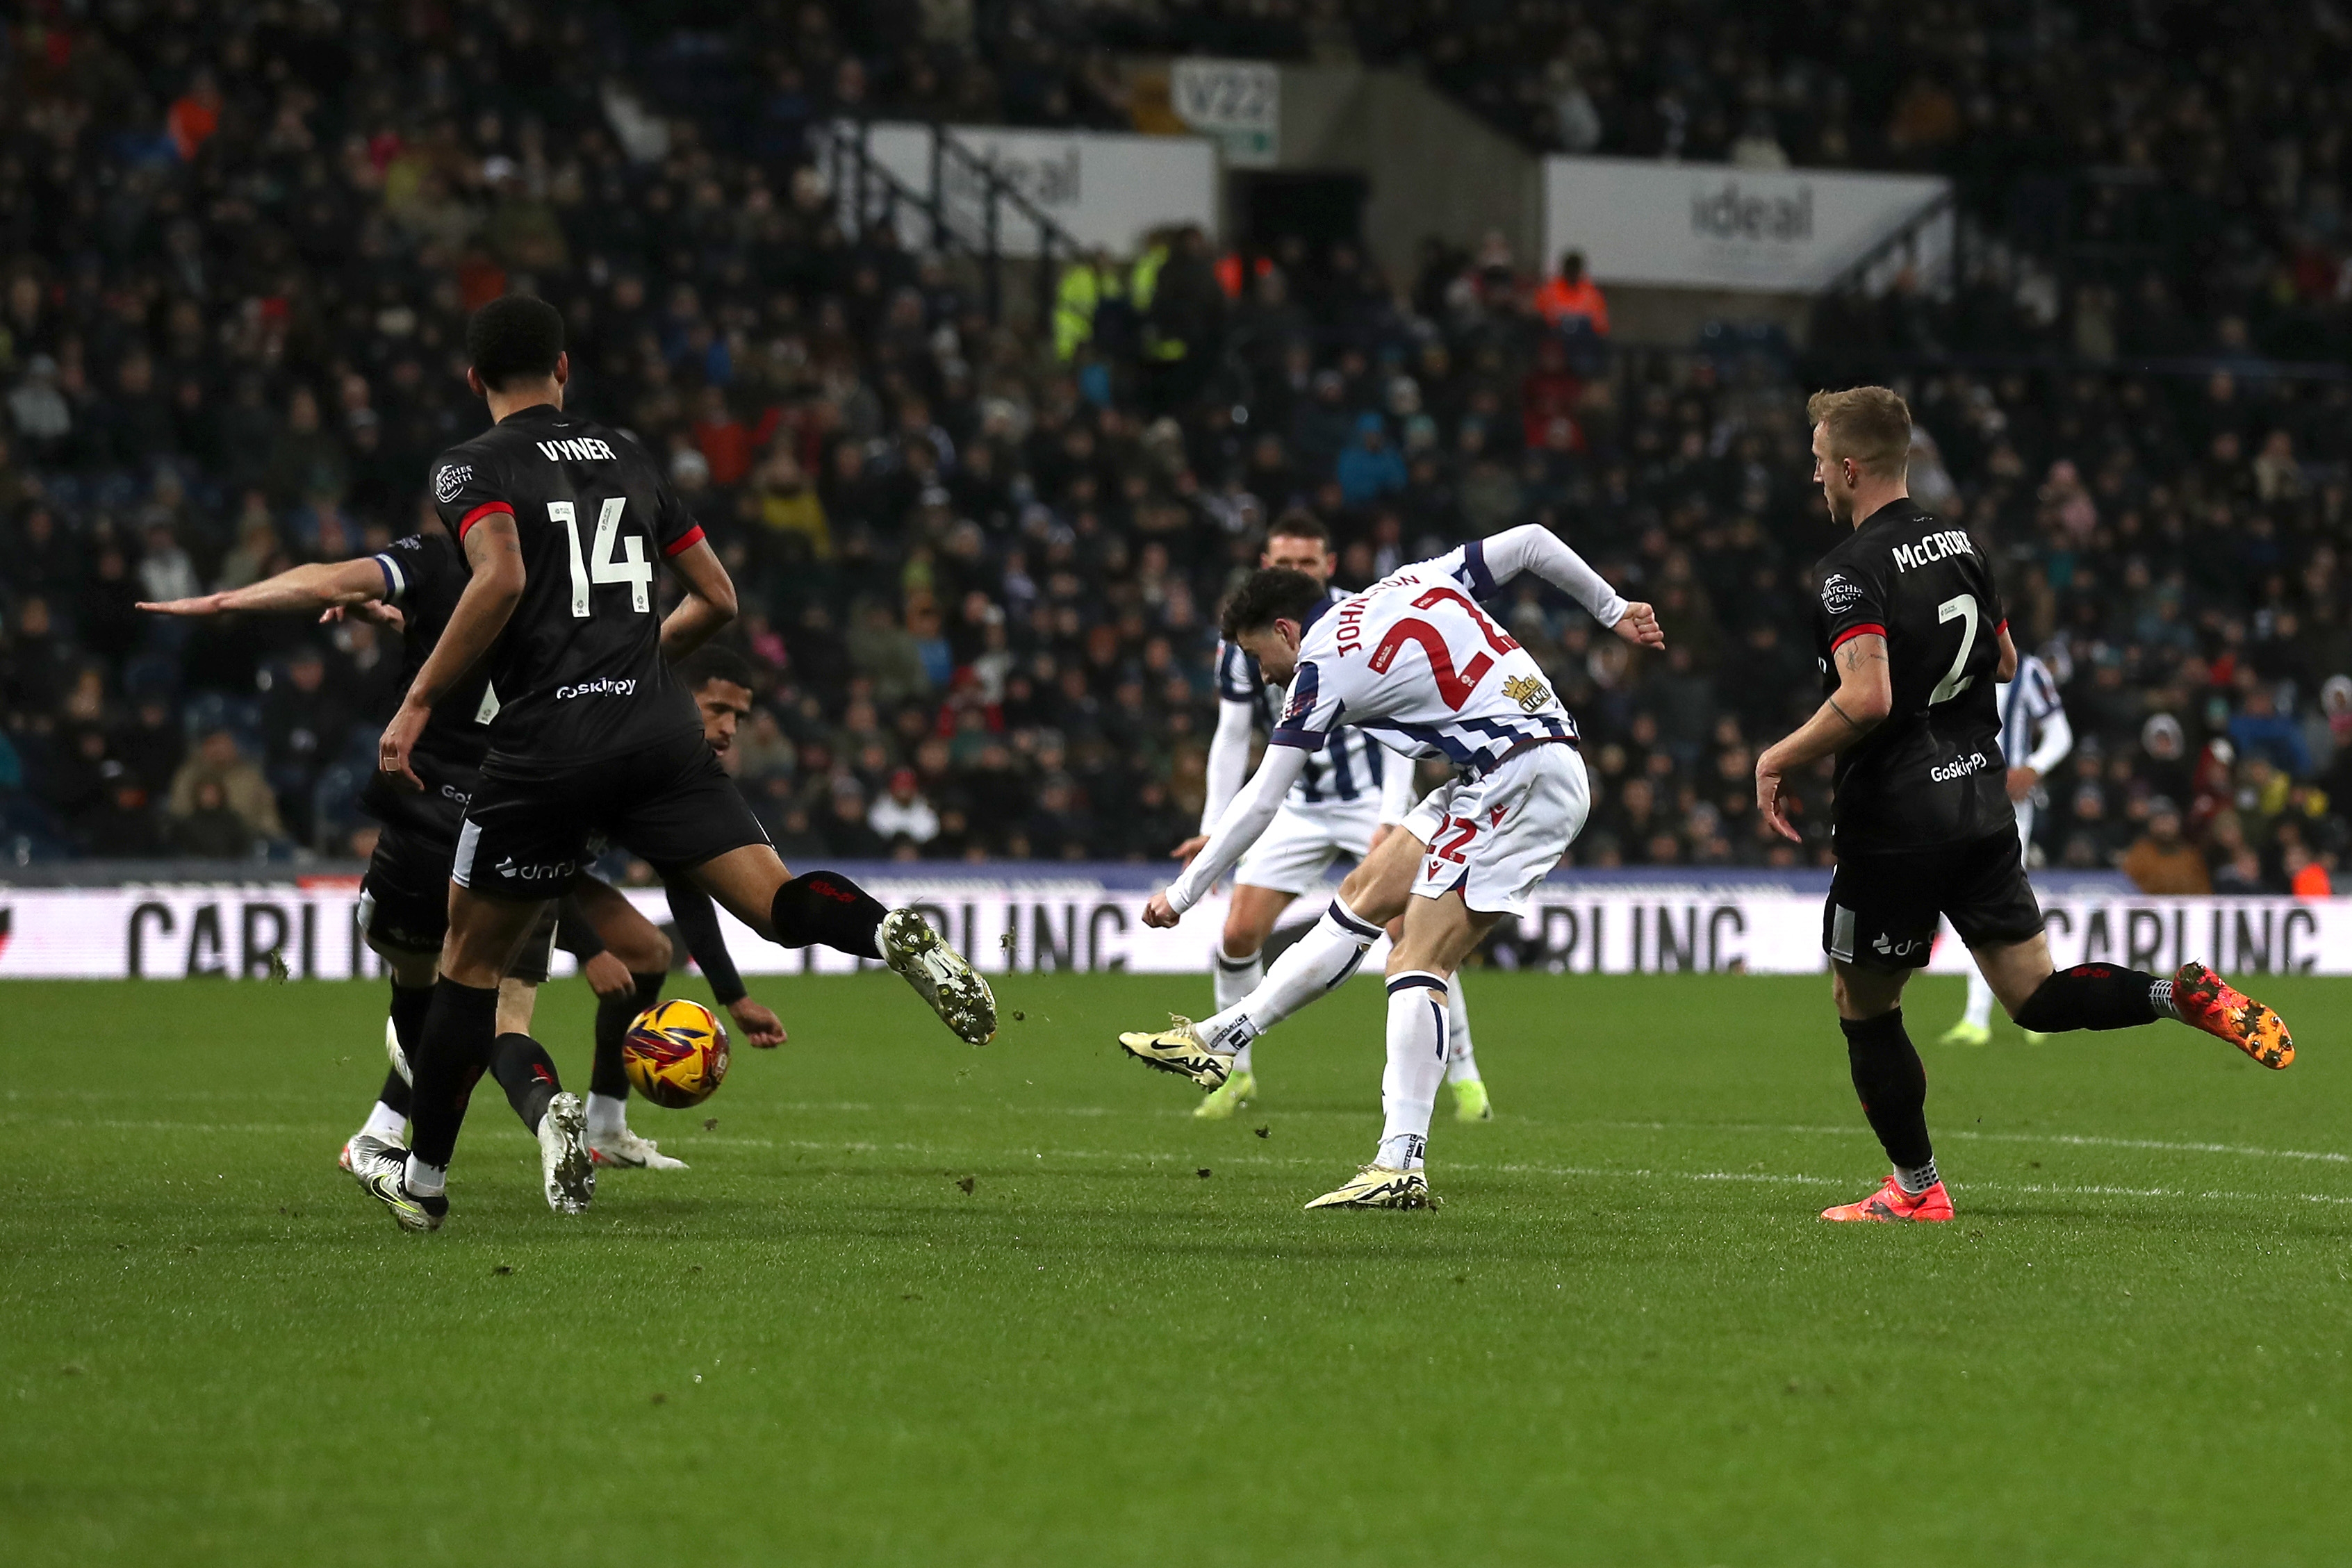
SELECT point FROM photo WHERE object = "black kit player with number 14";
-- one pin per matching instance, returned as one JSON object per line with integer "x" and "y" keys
{"x": 564, "y": 523}
{"x": 1909, "y": 631}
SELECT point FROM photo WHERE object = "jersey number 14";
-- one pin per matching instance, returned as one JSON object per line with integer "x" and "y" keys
{"x": 600, "y": 567}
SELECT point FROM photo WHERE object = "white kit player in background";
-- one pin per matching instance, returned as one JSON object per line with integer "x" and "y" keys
{"x": 2034, "y": 726}
{"x": 1353, "y": 794}
{"x": 1413, "y": 662}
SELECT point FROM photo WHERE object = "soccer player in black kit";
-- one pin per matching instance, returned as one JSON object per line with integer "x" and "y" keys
{"x": 414, "y": 584}
{"x": 1911, "y": 641}
{"x": 563, "y": 523}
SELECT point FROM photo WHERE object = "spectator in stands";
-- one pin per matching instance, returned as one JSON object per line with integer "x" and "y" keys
{"x": 1570, "y": 301}
{"x": 903, "y": 815}
{"x": 210, "y": 829}
{"x": 2161, "y": 860}
{"x": 221, "y": 773}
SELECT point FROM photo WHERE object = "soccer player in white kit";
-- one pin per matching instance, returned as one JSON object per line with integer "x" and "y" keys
{"x": 2033, "y": 726}
{"x": 1416, "y": 662}
{"x": 1352, "y": 794}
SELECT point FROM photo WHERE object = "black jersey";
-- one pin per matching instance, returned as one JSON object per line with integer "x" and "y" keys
{"x": 1932, "y": 773}
{"x": 578, "y": 670}
{"x": 423, "y": 575}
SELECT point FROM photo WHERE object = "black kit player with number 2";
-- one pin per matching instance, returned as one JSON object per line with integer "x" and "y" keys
{"x": 1911, "y": 640}
{"x": 564, "y": 523}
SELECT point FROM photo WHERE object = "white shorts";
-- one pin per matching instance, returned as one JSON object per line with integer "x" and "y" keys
{"x": 1498, "y": 838}
{"x": 1299, "y": 846}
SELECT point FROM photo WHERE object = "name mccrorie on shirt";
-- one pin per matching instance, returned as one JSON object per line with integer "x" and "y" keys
{"x": 1932, "y": 548}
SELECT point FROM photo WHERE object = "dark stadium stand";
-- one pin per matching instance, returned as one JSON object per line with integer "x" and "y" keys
{"x": 979, "y": 575}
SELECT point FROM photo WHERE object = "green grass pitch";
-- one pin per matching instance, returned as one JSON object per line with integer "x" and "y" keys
{"x": 920, "y": 1305}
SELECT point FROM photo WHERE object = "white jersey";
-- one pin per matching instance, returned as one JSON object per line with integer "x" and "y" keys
{"x": 2027, "y": 705}
{"x": 1347, "y": 773}
{"x": 1415, "y": 663}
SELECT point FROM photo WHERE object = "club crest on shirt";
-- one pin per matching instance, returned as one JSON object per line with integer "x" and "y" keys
{"x": 452, "y": 479}
{"x": 1527, "y": 691}
{"x": 1839, "y": 592}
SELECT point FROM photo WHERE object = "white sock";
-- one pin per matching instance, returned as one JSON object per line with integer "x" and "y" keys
{"x": 1917, "y": 1180}
{"x": 423, "y": 1180}
{"x": 1315, "y": 963}
{"x": 1235, "y": 977}
{"x": 1242, "y": 1059}
{"x": 385, "y": 1125}
{"x": 1979, "y": 1012}
{"x": 1461, "y": 1065}
{"x": 2159, "y": 997}
{"x": 606, "y": 1116}
{"x": 1417, "y": 1031}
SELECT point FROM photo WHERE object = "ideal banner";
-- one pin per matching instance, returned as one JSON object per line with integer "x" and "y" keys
{"x": 1701, "y": 225}
{"x": 1105, "y": 189}
{"x": 1009, "y": 920}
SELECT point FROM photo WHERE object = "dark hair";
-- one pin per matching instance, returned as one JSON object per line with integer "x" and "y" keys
{"x": 1268, "y": 595}
{"x": 713, "y": 662}
{"x": 516, "y": 338}
{"x": 1298, "y": 523}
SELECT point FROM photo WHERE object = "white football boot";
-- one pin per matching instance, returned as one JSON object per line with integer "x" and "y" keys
{"x": 940, "y": 975}
{"x": 1381, "y": 1187}
{"x": 629, "y": 1152}
{"x": 363, "y": 1151}
{"x": 563, "y": 1158}
{"x": 399, "y": 1057}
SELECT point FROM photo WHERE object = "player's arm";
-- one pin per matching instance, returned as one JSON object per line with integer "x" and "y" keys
{"x": 576, "y": 935}
{"x": 1228, "y": 765}
{"x": 698, "y": 922}
{"x": 494, "y": 552}
{"x": 1531, "y": 546}
{"x": 1864, "y": 696}
{"x": 708, "y": 604}
{"x": 1235, "y": 832}
{"x": 2053, "y": 741}
{"x": 317, "y": 586}
{"x": 2008, "y": 670}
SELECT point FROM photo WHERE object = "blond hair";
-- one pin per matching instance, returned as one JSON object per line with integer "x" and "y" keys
{"x": 1870, "y": 424}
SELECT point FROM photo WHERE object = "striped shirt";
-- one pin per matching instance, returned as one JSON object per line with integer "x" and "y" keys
{"x": 2025, "y": 704}
{"x": 1349, "y": 766}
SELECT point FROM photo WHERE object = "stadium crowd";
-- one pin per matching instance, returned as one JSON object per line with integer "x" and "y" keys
{"x": 980, "y": 563}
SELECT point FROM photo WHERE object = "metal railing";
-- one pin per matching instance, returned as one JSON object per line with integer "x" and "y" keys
{"x": 1872, "y": 271}
{"x": 963, "y": 203}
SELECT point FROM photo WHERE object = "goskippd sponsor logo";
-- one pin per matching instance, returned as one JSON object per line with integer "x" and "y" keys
{"x": 1959, "y": 770}
{"x": 602, "y": 686}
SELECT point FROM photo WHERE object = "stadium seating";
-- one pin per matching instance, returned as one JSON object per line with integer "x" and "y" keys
{"x": 228, "y": 342}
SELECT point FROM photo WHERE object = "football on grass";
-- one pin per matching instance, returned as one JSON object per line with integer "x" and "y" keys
{"x": 676, "y": 1054}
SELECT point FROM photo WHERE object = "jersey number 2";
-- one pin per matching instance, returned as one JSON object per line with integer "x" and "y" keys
{"x": 1959, "y": 607}
{"x": 599, "y": 566}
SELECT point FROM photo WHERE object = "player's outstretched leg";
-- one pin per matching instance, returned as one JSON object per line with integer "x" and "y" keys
{"x": 1892, "y": 1083}
{"x": 1975, "y": 1027}
{"x": 553, "y": 1115}
{"x": 1470, "y": 1102}
{"x": 1313, "y": 966}
{"x": 2105, "y": 996}
{"x": 384, "y": 1136}
{"x": 1417, "y": 1054}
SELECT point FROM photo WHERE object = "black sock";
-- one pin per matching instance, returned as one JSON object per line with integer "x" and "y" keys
{"x": 527, "y": 1073}
{"x": 2091, "y": 996}
{"x": 409, "y": 1006}
{"x": 826, "y": 908}
{"x": 1892, "y": 1084}
{"x": 453, "y": 1048}
{"x": 613, "y": 1016}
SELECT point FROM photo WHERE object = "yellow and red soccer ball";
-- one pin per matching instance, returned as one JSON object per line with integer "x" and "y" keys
{"x": 676, "y": 1054}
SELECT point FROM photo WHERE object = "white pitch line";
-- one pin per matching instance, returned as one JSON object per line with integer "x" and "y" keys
{"x": 2080, "y": 1140}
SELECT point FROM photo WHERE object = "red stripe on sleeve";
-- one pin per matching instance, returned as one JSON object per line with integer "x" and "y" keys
{"x": 684, "y": 542}
{"x": 2002, "y": 627}
{"x": 1851, "y": 633}
{"x": 479, "y": 513}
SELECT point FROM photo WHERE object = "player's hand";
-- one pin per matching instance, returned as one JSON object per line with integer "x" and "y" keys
{"x": 203, "y": 604}
{"x": 399, "y": 739}
{"x": 1189, "y": 847}
{"x": 375, "y": 612}
{"x": 1768, "y": 797}
{"x": 607, "y": 976}
{"x": 1380, "y": 836}
{"x": 2021, "y": 781}
{"x": 761, "y": 1029}
{"x": 1160, "y": 913}
{"x": 1638, "y": 626}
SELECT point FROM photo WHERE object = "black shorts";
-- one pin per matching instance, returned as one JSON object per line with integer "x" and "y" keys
{"x": 1883, "y": 904}
{"x": 405, "y": 902}
{"x": 671, "y": 804}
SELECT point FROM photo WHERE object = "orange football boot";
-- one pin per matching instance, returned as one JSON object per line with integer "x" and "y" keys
{"x": 2207, "y": 1001}
{"x": 1890, "y": 1203}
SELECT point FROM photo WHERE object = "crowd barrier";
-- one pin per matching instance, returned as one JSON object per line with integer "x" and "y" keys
{"x": 1032, "y": 919}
